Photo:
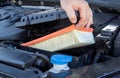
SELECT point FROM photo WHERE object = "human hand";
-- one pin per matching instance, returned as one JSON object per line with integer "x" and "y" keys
{"x": 86, "y": 16}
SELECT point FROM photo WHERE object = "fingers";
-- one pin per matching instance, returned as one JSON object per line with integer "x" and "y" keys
{"x": 85, "y": 16}
{"x": 90, "y": 20}
{"x": 84, "y": 9}
{"x": 71, "y": 14}
{"x": 67, "y": 6}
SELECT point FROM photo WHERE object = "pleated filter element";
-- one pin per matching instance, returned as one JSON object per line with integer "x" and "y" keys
{"x": 66, "y": 38}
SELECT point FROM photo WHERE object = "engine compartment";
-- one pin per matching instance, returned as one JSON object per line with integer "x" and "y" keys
{"x": 20, "y": 24}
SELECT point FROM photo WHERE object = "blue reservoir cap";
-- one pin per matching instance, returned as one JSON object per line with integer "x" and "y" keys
{"x": 60, "y": 59}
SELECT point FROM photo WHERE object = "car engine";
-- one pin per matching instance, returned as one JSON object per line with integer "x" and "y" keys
{"x": 23, "y": 21}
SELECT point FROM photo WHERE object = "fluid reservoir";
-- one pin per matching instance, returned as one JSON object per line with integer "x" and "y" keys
{"x": 60, "y": 67}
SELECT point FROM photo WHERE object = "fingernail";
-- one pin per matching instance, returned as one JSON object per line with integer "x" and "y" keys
{"x": 73, "y": 20}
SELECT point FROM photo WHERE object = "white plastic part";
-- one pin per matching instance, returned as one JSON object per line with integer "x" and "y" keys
{"x": 58, "y": 68}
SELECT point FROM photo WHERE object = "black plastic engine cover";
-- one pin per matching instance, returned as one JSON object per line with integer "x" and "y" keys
{"x": 13, "y": 17}
{"x": 8, "y": 31}
{"x": 17, "y": 58}
{"x": 11, "y": 72}
{"x": 12, "y": 33}
{"x": 117, "y": 46}
{"x": 112, "y": 4}
{"x": 108, "y": 69}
